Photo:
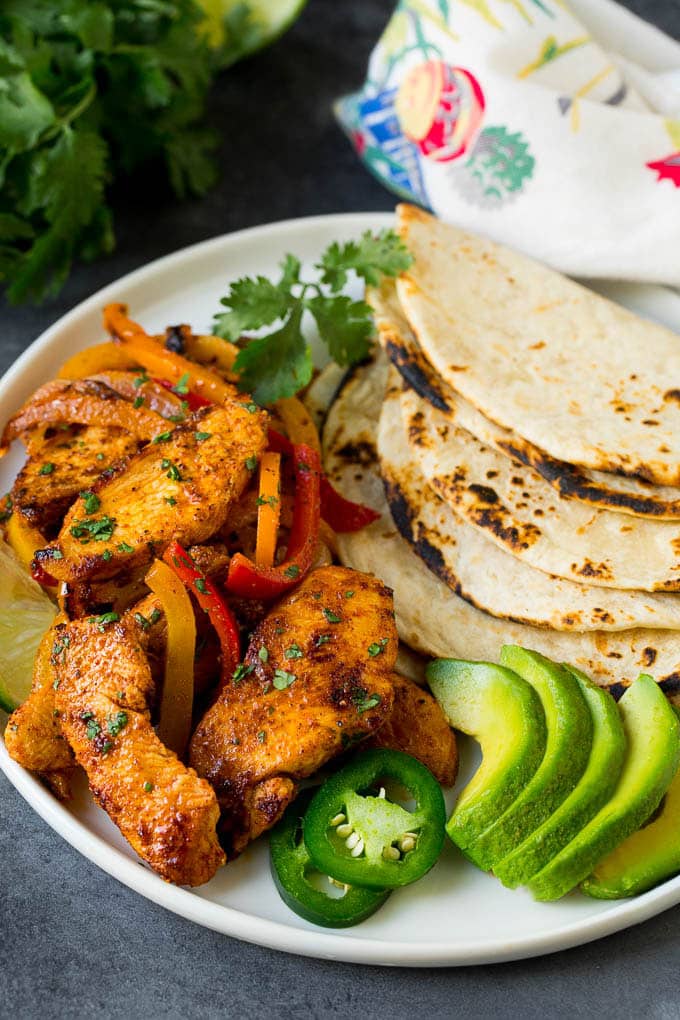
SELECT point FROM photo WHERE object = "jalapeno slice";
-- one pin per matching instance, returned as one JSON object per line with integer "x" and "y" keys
{"x": 355, "y": 834}
{"x": 292, "y": 870}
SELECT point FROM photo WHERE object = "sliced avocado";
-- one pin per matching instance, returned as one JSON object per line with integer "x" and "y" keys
{"x": 649, "y": 856}
{"x": 592, "y": 791}
{"x": 566, "y": 755}
{"x": 653, "y": 736}
{"x": 504, "y": 714}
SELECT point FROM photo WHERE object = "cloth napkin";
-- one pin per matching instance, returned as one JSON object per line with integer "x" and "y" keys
{"x": 552, "y": 128}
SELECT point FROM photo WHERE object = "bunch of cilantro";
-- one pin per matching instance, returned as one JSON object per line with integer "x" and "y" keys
{"x": 278, "y": 363}
{"x": 89, "y": 91}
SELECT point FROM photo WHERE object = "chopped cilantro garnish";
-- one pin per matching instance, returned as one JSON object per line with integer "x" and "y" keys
{"x": 140, "y": 380}
{"x": 364, "y": 704}
{"x": 261, "y": 737}
{"x": 377, "y": 647}
{"x": 162, "y": 437}
{"x": 155, "y": 616}
{"x": 331, "y": 616}
{"x": 200, "y": 437}
{"x": 125, "y": 548}
{"x": 148, "y": 787}
{"x": 103, "y": 620}
{"x": 242, "y": 670}
{"x": 251, "y": 463}
{"x": 294, "y": 652}
{"x": 349, "y": 594}
{"x": 106, "y": 555}
{"x": 47, "y": 468}
{"x": 181, "y": 387}
{"x": 263, "y": 654}
{"x": 137, "y": 402}
{"x": 173, "y": 471}
{"x": 91, "y": 501}
{"x": 171, "y": 501}
{"x": 201, "y": 586}
{"x": 116, "y": 723}
{"x": 282, "y": 680}
{"x": 93, "y": 531}
{"x": 322, "y": 639}
{"x": 93, "y": 729}
{"x": 292, "y": 571}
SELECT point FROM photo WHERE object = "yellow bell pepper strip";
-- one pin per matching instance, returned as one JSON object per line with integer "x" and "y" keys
{"x": 212, "y": 350}
{"x": 298, "y": 423}
{"x": 268, "y": 509}
{"x": 25, "y": 540}
{"x": 247, "y": 579}
{"x": 210, "y": 600}
{"x": 177, "y": 699}
{"x": 95, "y": 359}
{"x": 161, "y": 362}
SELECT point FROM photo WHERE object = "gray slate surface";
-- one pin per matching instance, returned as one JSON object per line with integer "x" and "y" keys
{"x": 75, "y": 943}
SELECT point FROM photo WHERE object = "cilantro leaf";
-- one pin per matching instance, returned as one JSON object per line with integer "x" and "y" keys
{"x": 345, "y": 326}
{"x": 375, "y": 255}
{"x": 279, "y": 363}
{"x": 252, "y": 302}
{"x": 287, "y": 358}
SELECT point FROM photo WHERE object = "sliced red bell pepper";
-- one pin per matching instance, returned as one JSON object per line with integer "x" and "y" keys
{"x": 39, "y": 574}
{"x": 194, "y": 400}
{"x": 340, "y": 513}
{"x": 248, "y": 580}
{"x": 209, "y": 599}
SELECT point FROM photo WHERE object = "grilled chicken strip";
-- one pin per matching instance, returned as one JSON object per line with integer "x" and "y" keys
{"x": 63, "y": 466}
{"x": 417, "y": 726}
{"x": 165, "y": 811}
{"x": 34, "y": 737}
{"x": 317, "y": 677}
{"x": 78, "y": 402}
{"x": 181, "y": 486}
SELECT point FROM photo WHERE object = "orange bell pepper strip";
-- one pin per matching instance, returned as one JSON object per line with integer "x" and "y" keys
{"x": 249, "y": 580}
{"x": 177, "y": 699}
{"x": 161, "y": 362}
{"x": 268, "y": 509}
{"x": 298, "y": 422}
{"x": 210, "y": 600}
{"x": 98, "y": 358}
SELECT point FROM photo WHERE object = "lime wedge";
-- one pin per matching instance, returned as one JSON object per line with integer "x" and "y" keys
{"x": 244, "y": 26}
{"x": 25, "y": 614}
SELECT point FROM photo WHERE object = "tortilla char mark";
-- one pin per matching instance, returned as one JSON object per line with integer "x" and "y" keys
{"x": 590, "y": 569}
{"x": 572, "y": 483}
{"x": 482, "y": 505}
{"x": 361, "y": 451}
{"x": 403, "y": 515}
{"x": 414, "y": 370}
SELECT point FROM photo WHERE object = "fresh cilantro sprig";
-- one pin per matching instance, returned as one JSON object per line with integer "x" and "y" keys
{"x": 279, "y": 363}
{"x": 90, "y": 90}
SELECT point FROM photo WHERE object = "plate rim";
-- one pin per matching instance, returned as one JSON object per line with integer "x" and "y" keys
{"x": 236, "y": 923}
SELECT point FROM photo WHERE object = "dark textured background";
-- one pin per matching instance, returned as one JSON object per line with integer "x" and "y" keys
{"x": 75, "y": 943}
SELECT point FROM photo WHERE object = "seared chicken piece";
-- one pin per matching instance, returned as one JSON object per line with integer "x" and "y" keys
{"x": 78, "y": 402}
{"x": 167, "y": 814}
{"x": 139, "y": 388}
{"x": 181, "y": 486}
{"x": 417, "y": 726}
{"x": 316, "y": 678}
{"x": 63, "y": 466}
{"x": 34, "y": 737}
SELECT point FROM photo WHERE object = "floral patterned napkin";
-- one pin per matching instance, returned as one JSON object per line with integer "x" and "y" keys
{"x": 509, "y": 118}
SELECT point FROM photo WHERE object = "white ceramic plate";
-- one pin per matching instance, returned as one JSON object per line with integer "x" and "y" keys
{"x": 456, "y": 915}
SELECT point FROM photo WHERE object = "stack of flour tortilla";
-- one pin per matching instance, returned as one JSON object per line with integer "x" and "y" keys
{"x": 521, "y": 437}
